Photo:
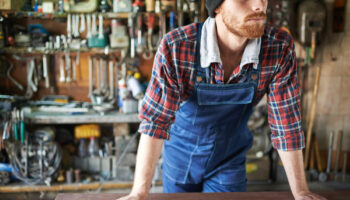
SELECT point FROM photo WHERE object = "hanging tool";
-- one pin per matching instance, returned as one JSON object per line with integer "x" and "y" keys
{"x": 194, "y": 10}
{"x": 139, "y": 48}
{"x": 131, "y": 24}
{"x": 93, "y": 26}
{"x": 100, "y": 27}
{"x": 148, "y": 53}
{"x": 15, "y": 120}
{"x": 62, "y": 73}
{"x": 46, "y": 72}
{"x": 91, "y": 79}
{"x": 69, "y": 27}
{"x": 88, "y": 24}
{"x": 22, "y": 127}
{"x": 179, "y": 6}
{"x": 323, "y": 177}
{"x": 82, "y": 23}
{"x": 312, "y": 117}
{"x": 172, "y": 20}
{"x": 76, "y": 64}
{"x": 111, "y": 80}
{"x": 12, "y": 79}
{"x": 338, "y": 149}
{"x": 76, "y": 26}
{"x": 31, "y": 87}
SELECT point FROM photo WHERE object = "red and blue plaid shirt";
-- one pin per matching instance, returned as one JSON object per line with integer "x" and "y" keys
{"x": 173, "y": 79}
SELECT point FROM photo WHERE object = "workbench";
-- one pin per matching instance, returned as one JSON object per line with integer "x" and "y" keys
{"x": 330, "y": 195}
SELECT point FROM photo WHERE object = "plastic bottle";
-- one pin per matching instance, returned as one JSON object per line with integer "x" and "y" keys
{"x": 82, "y": 148}
{"x": 93, "y": 147}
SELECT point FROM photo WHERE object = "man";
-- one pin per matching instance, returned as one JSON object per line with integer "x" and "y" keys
{"x": 205, "y": 81}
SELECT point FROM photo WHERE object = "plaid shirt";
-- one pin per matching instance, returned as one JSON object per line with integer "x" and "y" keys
{"x": 173, "y": 79}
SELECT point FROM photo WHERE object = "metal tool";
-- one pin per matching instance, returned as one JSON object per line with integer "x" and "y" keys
{"x": 172, "y": 20}
{"x": 76, "y": 26}
{"x": 46, "y": 72}
{"x": 76, "y": 64}
{"x": 139, "y": 48}
{"x": 131, "y": 24}
{"x": 82, "y": 23}
{"x": 91, "y": 79}
{"x": 111, "y": 80}
{"x": 93, "y": 26}
{"x": 62, "y": 73}
{"x": 148, "y": 53}
{"x": 338, "y": 151}
{"x": 100, "y": 26}
{"x": 18, "y": 85}
{"x": 88, "y": 24}
{"x": 31, "y": 87}
{"x": 69, "y": 27}
{"x": 324, "y": 176}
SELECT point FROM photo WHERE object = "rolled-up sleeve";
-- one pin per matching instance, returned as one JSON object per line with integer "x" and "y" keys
{"x": 283, "y": 100}
{"x": 162, "y": 96}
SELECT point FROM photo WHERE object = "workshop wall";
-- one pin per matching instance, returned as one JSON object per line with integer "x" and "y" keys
{"x": 333, "y": 101}
{"x": 77, "y": 90}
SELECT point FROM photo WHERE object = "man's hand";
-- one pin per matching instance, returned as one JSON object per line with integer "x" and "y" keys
{"x": 294, "y": 167}
{"x": 148, "y": 154}
{"x": 133, "y": 197}
{"x": 308, "y": 196}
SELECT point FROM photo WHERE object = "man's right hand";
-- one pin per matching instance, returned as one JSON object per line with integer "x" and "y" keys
{"x": 133, "y": 197}
{"x": 148, "y": 154}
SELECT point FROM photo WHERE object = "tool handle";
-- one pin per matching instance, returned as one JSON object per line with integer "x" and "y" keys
{"x": 23, "y": 129}
{"x": 15, "y": 130}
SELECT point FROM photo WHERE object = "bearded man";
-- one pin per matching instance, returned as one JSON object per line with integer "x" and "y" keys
{"x": 206, "y": 79}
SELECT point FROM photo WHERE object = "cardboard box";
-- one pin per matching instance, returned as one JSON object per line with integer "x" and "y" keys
{"x": 15, "y": 5}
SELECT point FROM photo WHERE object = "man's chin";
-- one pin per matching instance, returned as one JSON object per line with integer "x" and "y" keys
{"x": 253, "y": 32}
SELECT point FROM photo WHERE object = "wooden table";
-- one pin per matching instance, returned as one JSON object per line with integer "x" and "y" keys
{"x": 330, "y": 195}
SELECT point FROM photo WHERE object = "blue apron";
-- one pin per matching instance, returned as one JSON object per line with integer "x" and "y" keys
{"x": 209, "y": 137}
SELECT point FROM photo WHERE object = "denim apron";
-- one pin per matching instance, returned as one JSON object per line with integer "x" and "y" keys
{"x": 209, "y": 137}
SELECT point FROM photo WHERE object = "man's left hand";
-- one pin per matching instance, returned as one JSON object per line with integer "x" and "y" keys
{"x": 309, "y": 196}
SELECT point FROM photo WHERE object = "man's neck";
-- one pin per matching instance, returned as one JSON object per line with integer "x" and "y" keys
{"x": 229, "y": 43}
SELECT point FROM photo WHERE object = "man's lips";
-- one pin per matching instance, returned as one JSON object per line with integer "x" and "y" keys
{"x": 257, "y": 19}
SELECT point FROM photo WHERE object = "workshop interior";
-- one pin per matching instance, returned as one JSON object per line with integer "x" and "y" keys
{"x": 73, "y": 74}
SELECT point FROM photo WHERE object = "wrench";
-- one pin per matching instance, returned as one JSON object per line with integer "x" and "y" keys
{"x": 12, "y": 79}
{"x": 46, "y": 71}
{"x": 139, "y": 48}
{"x": 88, "y": 24}
{"x": 100, "y": 26}
{"x": 82, "y": 23}
{"x": 94, "y": 28}
{"x": 62, "y": 74}
{"x": 69, "y": 27}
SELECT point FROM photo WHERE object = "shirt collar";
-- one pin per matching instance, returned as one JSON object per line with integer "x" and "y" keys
{"x": 209, "y": 49}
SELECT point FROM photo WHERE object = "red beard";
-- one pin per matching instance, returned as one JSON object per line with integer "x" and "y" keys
{"x": 249, "y": 29}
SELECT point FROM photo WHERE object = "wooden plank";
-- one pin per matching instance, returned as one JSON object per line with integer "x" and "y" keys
{"x": 330, "y": 195}
{"x": 65, "y": 187}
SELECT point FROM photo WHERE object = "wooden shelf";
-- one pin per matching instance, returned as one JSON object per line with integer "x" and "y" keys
{"x": 22, "y": 14}
{"x": 90, "y": 117}
{"x": 32, "y": 50}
